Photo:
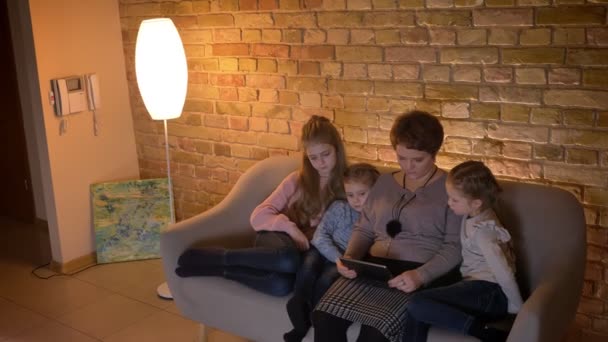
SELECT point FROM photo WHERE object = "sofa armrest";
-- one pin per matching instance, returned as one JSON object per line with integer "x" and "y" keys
{"x": 226, "y": 224}
{"x": 547, "y": 313}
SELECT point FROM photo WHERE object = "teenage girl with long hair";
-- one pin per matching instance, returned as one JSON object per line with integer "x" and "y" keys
{"x": 285, "y": 221}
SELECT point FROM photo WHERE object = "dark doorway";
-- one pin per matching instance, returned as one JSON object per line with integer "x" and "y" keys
{"x": 16, "y": 196}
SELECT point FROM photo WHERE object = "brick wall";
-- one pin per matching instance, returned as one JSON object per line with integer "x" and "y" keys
{"x": 519, "y": 84}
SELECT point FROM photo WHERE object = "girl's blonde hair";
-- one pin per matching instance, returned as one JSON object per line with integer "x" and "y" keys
{"x": 361, "y": 173}
{"x": 313, "y": 200}
{"x": 476, "y": 181}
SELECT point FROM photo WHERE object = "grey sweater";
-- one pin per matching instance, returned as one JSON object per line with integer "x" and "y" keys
{"x": 487, "y": 255}
{"x": 430, "y": 230}
{"x": 335, "y": 229}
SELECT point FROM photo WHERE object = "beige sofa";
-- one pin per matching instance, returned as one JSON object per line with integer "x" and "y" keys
{"x": 547, "y": 225}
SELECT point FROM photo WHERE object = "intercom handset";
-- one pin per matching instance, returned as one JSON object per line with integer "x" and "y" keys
{"x": 69, "y": 95}
{"x": 92, "y": 84}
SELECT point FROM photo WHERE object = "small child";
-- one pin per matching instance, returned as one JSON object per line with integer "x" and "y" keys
{"x": 318, "y": 270}
{"x": 488, "y": 290}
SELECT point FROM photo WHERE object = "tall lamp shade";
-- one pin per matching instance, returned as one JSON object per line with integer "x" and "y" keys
{"x": 161, "y": 68}
{"x": 162, "y": 78}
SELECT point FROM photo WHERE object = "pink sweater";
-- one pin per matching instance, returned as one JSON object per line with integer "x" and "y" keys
{"x": 269, "y": 215}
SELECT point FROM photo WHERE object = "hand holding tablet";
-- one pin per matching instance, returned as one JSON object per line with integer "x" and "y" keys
{"x": 368, "y": 269}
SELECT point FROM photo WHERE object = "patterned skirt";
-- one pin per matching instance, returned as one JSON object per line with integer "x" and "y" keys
{"x": 368, "y": 302}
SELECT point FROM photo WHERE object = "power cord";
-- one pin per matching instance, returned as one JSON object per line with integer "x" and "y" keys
{"x": 58, "y": 274}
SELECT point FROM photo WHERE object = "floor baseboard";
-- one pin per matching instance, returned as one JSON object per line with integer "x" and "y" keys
{"x": 74, "y": 265}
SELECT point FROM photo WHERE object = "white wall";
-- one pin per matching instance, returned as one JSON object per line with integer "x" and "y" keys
{"x": 73, "y": 37}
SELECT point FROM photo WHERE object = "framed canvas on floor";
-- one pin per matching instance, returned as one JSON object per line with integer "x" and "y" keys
{"x": 128, "y": 218}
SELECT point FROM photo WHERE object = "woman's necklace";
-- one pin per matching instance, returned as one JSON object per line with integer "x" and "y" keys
{"x": 394, "y": 227}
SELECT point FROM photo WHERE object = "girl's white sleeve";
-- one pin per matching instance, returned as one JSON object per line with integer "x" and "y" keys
{"x": 487, "y": 238}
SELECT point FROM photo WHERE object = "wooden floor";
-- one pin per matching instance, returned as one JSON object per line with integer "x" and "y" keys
{"x": 112, "y": 302}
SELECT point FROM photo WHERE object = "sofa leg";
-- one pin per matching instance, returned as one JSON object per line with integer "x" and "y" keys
{"x": 202, "y": 333}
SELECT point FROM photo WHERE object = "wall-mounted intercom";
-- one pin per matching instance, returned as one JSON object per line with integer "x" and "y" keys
{"x": 69, "y": 95}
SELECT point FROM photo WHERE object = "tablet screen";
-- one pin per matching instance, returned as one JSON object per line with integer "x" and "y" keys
{"x": 368, "y": 269}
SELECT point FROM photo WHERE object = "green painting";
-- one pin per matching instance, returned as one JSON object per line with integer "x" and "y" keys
{"x": 128, "y": 218}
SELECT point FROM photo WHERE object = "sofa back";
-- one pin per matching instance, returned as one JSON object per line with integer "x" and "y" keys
{"x": 549, "y": 234}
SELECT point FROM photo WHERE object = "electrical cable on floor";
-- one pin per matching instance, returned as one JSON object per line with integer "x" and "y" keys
{"x": 58, "y": 274}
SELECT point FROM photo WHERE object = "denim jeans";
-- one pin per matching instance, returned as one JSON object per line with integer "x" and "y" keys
{"x": 315, "y": 276}
{"x": 453, "y": 307}
{"x": 269, "y": 267}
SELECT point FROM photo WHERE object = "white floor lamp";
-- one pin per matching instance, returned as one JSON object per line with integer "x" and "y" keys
{"x": 162, "y": 78}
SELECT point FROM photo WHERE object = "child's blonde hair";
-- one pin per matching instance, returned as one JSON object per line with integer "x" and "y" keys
{"x": 362, "y": 173}
{"x": 312, "y": 200}
{"x": 475, "y": 180}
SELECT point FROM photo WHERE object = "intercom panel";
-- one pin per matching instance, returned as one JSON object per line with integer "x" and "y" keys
{"x": 69, "y": 95}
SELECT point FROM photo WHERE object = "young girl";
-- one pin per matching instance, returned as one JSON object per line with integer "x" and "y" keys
{"x": 488, "y": 289}
{"x": 318, "y": 271}
{"x": 285, "y": 221}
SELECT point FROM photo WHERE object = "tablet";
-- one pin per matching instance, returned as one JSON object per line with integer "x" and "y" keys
{"x": 368, "y": 269}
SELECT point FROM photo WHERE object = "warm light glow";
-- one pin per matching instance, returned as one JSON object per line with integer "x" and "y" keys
{"x": 161, "y": 69}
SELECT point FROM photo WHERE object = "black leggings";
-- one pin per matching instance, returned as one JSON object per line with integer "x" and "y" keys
{"x": 329, "y": 328}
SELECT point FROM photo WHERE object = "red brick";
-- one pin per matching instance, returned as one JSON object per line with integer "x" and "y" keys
{"x": 198, "y": 77}
{"x": 578, "y": 98}
{"x": 228, "y": 94}
{"x": 533, "y": 56}
{"x": 510, "y": 95}
{"x": 469, "y": 55}
{"x": 248, "y": 5}
{"x": 270, "y": 50}
{"x": 300, "y": 19}
{"x": 268, "y": 4}
{"x": 309, "y": 68}
{"x": 503, "y": 17}
{"x": 239, "y": 123}
{"x": 597, "y": 36}
{"x": 340, "y": 19}
{"x": 217, "y": 121}
{"x": 188, "y": 22}
{"x": 359, "y": 53}
{"x": 227, "y": 35}
{"x": 442, "y": 37}
{"x": 570, "y": 15}
{"x": 313, "y": 3}
{"x": 230, "y": 49}
{"x": 498, "y": 75}
{"x": 443, "y": 18}
{"x": 227, "y": 80}
{"x": 253, "y": 20}
{"x": 215, "y": 20}
{"x": 591, "y": 306}
{"x": 410, "y": 54}
{"x": 313, "y": 52}
{"x": 388, "y": 18}
{"x": 588, "y": 57}
{"x": 564, "y": 76}
{"x": 261, "y": 81}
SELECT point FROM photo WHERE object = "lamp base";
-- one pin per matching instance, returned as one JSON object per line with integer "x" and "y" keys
{"x": 164, "y": 292}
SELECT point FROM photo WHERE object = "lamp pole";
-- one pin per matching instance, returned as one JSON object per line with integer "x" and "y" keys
{"x": 169, "y": 174}
{"x": 162, "y": 78}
